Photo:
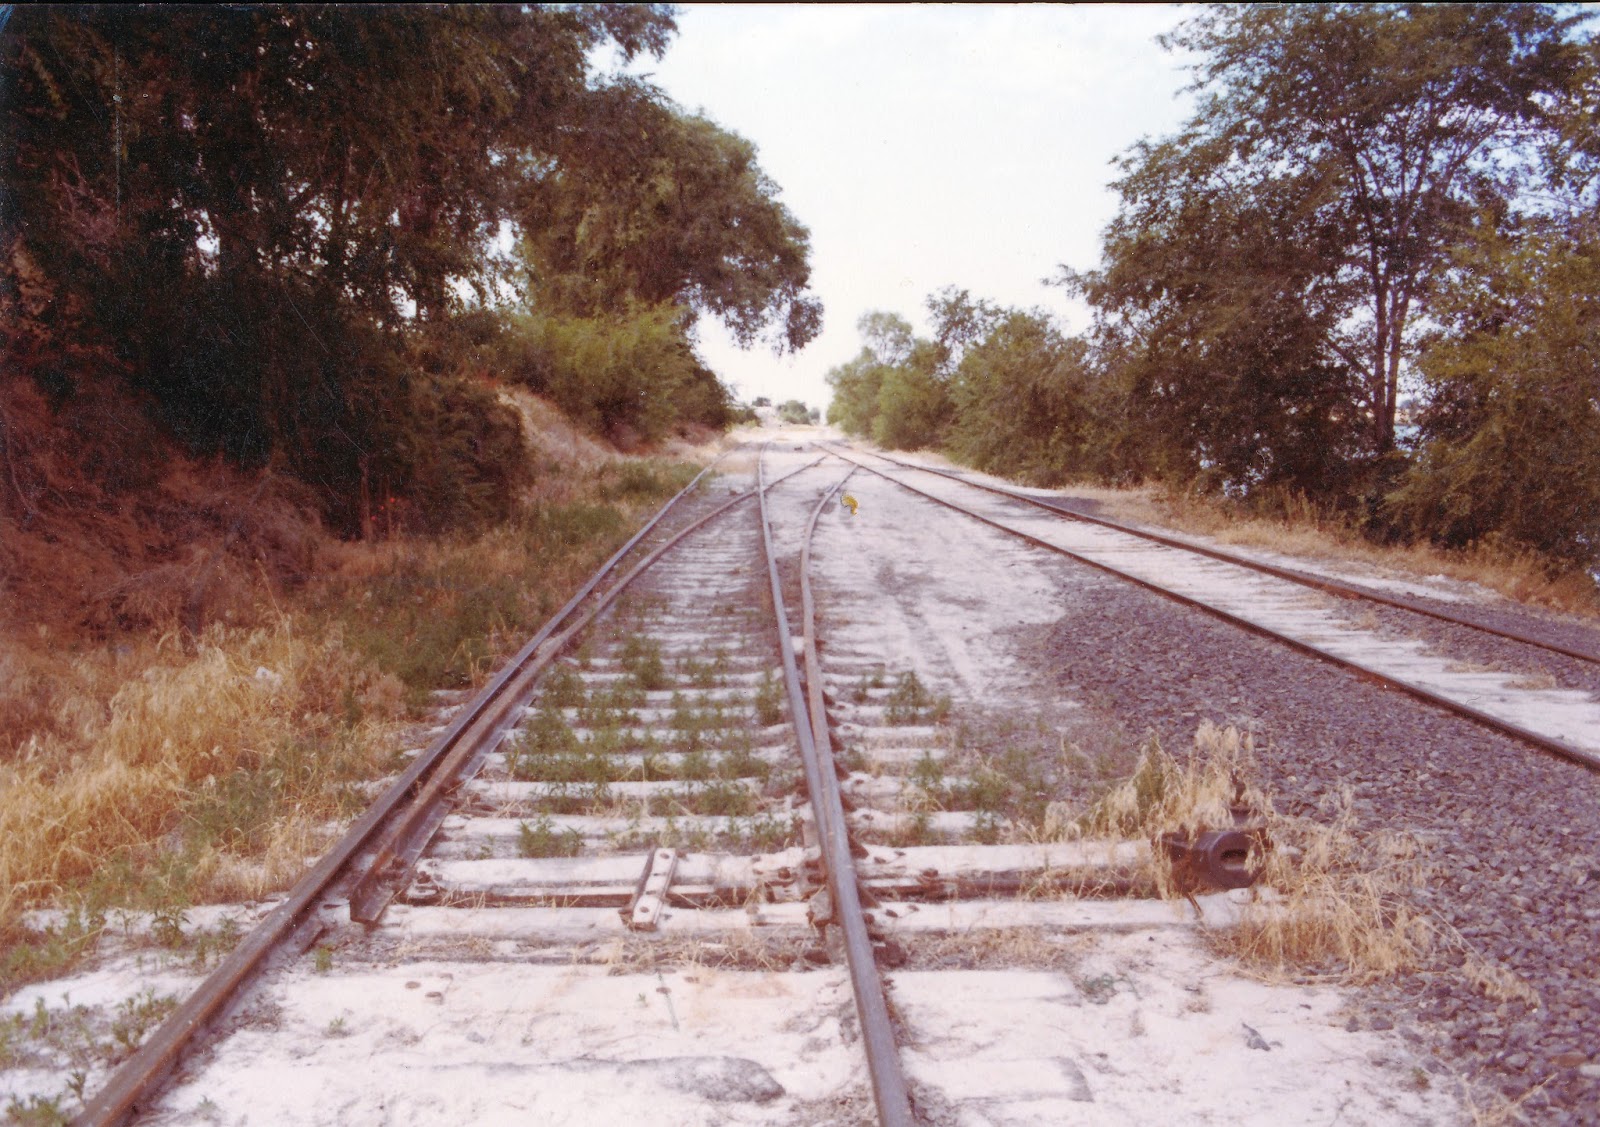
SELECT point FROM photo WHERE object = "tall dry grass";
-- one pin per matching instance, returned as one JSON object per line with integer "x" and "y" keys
{"x": 153, "y": 768}
{"x": 1333, "y": 900}
{"x": 220, "y": 770}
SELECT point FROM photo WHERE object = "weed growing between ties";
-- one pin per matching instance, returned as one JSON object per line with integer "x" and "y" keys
{"x": 1014, "y": 774}
{"x": 540, "y": 838}
{"x": 156, "y": 771}
{"x": 911, "y": 703}
{"x": 756, "y": 833}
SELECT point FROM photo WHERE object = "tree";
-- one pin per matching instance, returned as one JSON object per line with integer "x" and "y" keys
{"x": 662, "y": 207}
{"x": 1342, "y": 150}
{"x": 888, "y": 342}
{"x": 1025, "y": 403}
{"x": 959, "y": 322}
{"x": 247, "y": 218}
{"x": 794, "y": 412}
{"x": 1511, "y": 426}
{"x": 1220, "y": 316}
{"x": 897, "y": 391}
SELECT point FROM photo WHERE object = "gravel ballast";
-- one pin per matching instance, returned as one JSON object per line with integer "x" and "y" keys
{"x": 1511, "y": 831}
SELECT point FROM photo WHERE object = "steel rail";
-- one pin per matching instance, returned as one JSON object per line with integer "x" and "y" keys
{"x": 877, "y": 1032}
{"x": 1327, "y": 585}
{"x": 141, "y": 1074}
{"x": 1561, "y": 748}
{"x": 401, "y": 842}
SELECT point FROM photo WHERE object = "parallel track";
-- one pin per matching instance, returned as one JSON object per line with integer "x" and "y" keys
{"x": 1316, "y": 582}
{"x": 1585, "y": 753}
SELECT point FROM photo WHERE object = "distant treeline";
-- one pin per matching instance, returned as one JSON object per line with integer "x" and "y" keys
{"x": 1365, "y": 275}
{"x": 301, "y": 236}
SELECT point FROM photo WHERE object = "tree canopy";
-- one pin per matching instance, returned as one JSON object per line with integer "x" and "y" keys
{"x": 248, "y": 217}
{"x": 1371, "y": 203}
{"x": 1277, "y": 257}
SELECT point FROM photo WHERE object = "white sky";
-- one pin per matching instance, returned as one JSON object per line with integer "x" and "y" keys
{"x": 925, "y": 146}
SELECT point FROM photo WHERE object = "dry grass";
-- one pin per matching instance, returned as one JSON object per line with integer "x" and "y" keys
{"x": 145, "y": 766}
{"x": 221, "y": 770}
{"x": 1334, "y": 901}
{"x": 1033, "y": 948}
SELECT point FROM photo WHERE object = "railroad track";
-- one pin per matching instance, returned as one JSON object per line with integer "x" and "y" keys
{"x": 721, "y": 796}
{"x": 1310, "y": 614}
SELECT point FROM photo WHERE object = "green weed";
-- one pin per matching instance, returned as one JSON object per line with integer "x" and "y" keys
{"x": 646, "y": 480}
{"x": 719, "y": 797}
{"x": 641, "y": 660}
{"x": 29, "y": 953}
{"x": 742, "y": 762}
{"x": 544, "y": 737}
{"x": 563, "y": 688}
{"x": 704, "y": 674}
{"x": 910, "y": 703}
{"x": 541, "y": 839}
{"x": 863, "y": 688}
{"x": 137, "y": 1015}
{"x": 769, "y": 702}
{"x": 581, "y": 764}
{"x": 37, "y": 1111}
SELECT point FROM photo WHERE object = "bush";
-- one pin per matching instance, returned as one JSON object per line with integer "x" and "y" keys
{"x": 626, "y": 376}
{"x": 1025, "y": 404}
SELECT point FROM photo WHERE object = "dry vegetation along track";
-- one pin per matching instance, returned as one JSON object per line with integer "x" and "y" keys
{"x": 628, "y": 874}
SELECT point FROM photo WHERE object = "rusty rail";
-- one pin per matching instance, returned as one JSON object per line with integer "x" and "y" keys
{"x": 387, "y": 827}
{"x": 877, "y": 1032}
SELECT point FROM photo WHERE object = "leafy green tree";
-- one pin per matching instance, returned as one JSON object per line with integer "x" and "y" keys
{"x": 855, "y": 385}
{"x": 1229, "y": 369}
{"x": 913, "y": 407}
{"x": 629, "y": 375}
{"x": 1026, "y": 405}
{"x": 889, "y": 342}
{"x": 1511, "y": 426}
{"x": 657, "y": 206}
{"x": 897, "y": 390}
{"x": 794, "y": 412}
{"x": 1270, "y": 262}
{"x": 959, "y": 322}
{"x": 251, "y": 218}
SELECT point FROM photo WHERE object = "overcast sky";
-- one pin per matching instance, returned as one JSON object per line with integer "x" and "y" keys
{"x": 926, "y": 146}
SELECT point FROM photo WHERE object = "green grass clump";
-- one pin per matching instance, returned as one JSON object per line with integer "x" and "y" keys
{"x": 642, "y": 479}
{"x": 641, "y": 661}
{"x": 911, "y": 703}
{"x": 769, "y": 702}
{"x": 719, "y": 797}
{"x": 540, "y": 839}
{"x": 563, "y": 688}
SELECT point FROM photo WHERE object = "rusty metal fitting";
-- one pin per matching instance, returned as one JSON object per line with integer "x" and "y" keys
{"x": 1217, "y": 858}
